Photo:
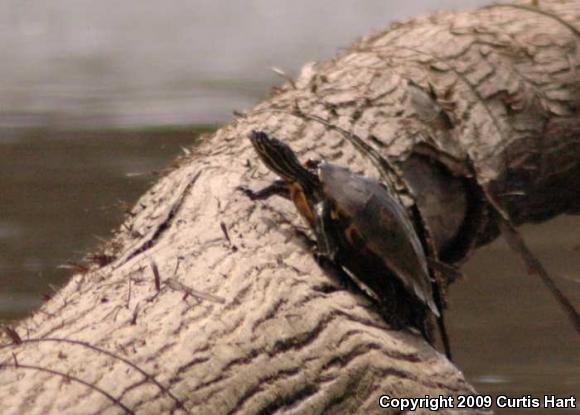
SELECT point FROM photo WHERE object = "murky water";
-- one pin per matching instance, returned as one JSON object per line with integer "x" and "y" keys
{"x": 135, "y": 62}
{"x": 510, "y": 336}
{"x": 60, "y": 193}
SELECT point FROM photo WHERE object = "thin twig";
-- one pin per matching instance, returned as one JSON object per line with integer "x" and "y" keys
{"x": 147, "y": 376}
{"x": 156, "y": 275}
{"x": 178, "y": 286}
{"x": 69, "y": 378}
{"x": 13, "y": 334}
{"x": 225, "y": 231}
{"x": 516, "y": 242}
{"x": 285, "y": 76}
{"x": 135, "y": 314}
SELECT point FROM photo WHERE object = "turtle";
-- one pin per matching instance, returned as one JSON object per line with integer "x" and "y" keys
{"x": 360, "y": 226}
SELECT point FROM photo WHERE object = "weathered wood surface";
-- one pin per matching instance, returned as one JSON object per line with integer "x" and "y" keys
{"x": 493, "y": 92}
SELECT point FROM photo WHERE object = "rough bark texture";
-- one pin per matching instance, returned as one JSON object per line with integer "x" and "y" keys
{"x": 487, "y": 98}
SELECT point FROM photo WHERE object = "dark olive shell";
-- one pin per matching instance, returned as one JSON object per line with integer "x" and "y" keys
{"x": 382, "y": 224}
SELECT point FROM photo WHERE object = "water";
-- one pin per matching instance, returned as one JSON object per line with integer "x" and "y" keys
{"x": 142, "y": 62}
{"x": 61, "y": 194}
{"x": 509, "y": 334}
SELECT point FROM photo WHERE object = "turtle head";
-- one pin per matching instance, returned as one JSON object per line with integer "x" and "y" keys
{"x": 280, "y": 158}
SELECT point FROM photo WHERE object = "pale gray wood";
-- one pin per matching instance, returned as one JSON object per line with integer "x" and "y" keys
{"x": 287, "y": 338}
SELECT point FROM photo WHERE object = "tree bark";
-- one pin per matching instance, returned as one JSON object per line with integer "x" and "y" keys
{"x": 208, "y": 299}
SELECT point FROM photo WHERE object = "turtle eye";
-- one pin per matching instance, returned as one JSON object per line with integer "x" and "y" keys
{"x": 312, "y": 164}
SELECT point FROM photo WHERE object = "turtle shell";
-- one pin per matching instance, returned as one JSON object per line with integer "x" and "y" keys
{"x": 373, "y": 221}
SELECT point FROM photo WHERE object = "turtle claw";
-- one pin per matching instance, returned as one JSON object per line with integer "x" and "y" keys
{"x": 278, "y": 187}
{"x": 323, "y": 258}
{"x": 333, "y": 268}
{"x": 247, "y": 191}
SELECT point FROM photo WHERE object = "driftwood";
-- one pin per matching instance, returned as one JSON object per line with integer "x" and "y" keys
{"x": 206, "y": 302}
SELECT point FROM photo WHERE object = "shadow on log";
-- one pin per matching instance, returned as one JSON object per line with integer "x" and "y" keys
{"x": 457, "y": 101}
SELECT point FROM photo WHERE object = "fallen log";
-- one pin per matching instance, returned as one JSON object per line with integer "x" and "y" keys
{"x": 206, "y": 302}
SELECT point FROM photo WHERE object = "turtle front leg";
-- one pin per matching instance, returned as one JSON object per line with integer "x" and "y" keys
{"x": 277, "y": 188}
